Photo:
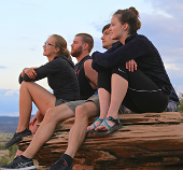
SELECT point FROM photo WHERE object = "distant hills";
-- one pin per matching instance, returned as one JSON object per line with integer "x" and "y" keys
{"x": 8, "y": 124}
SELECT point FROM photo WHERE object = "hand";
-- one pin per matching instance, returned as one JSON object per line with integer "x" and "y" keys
{"x": 131, "y": 65}
{"x": 30, "y": 72}
{"x": 33, "y": 120}
{"x": 23, "y": 72}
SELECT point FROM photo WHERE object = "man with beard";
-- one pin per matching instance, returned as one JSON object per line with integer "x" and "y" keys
{"x": 80, "y": 49}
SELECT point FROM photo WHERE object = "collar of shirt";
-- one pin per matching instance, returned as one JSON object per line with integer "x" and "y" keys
{"x": 131, "y": 37}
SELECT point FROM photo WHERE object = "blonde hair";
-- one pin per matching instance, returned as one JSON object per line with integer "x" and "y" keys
{"x": 61, "y": 43}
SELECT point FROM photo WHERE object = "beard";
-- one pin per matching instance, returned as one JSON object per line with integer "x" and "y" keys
{"x": 77, "y": 52}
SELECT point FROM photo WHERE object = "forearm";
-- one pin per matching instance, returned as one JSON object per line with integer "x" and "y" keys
{"x": 122, "y": 54}
{"x": 98, "y": 67}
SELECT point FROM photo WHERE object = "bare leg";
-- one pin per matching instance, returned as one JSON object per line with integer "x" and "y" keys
{"x": 33, "y": 128}
{"x": 47, "y": 127}
{"x": 38, "y": 119}
{"x": 105, "y": 99}
{"x": 118, "y": 92}
{"x": 78, "y": 130}
{"x": 41, "y": 97}
{"x": 39, "y": 116}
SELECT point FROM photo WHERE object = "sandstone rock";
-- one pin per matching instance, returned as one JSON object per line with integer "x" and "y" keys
{"x": 149, "y": 141}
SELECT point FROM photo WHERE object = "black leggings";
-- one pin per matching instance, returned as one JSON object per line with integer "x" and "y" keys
{"x": 143, "y": 95}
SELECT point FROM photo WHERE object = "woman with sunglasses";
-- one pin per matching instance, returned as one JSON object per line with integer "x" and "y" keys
{"x": 61, "y": 78}
{"x": 144, "y": 90}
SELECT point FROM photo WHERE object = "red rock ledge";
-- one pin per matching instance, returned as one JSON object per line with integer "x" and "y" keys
{"x": 149, "y": 141}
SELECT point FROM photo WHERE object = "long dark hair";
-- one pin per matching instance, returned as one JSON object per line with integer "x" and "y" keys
{"x": 131, "y": 17}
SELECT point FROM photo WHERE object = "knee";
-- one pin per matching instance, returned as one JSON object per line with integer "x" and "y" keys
{"x": 50, "y": 115}
{"x": 25, "y": 84}
{"x": 80, "y": 112}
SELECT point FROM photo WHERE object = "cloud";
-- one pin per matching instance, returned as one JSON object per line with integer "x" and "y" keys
{"x": 99, "y": 25}
{"x": 12, "y": 92}
{"x": 9, "y": 102}
{"x": 14, "y": 114}
{"x": 3, "y": 67}
{"x": 171, "y": 66}
{"x": 173, "y": 8}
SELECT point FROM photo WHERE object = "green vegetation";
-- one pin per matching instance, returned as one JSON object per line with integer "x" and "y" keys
{"x": 2, "y": 147}
{"x": 4, "y": 161}
{"x": 12, "y": 151}
{"x": 4, "y": 157}
{"x": 181, "y": 103}
{"x": 4, "y": 137}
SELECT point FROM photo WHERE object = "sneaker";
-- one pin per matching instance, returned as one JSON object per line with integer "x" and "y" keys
{"x": 61, "y": 164}
{"x": 20, "y": 163}
{"x": 17, "y": 137}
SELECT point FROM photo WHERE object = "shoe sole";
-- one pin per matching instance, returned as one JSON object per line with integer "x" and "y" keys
{"x": 25, "y": 168}
{"x": 116, "y": 127}
{"x": 90, "y": 131}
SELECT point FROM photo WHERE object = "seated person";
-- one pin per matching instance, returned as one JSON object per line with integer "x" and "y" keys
{"x": 61, "y": 78}
{"x": 145, "y": 90}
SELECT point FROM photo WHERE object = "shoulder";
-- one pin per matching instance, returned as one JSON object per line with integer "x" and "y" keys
{"x": 86, "y": 58}
{"x": 88, "y": 63}
{"x": 83, "y": 61}
{"x": 59, "y": 62}
{"x": 141, "y": 41}
{"x": 142, "y": 38}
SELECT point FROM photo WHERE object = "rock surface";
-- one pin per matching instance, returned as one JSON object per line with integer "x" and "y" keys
{"x": 149, "y": 141}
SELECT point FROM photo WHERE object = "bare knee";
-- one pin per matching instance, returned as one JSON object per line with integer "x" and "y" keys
{"x": 81, "y": 112}
{"x": 25, "y": 83}
{"x": 50, "y": 114}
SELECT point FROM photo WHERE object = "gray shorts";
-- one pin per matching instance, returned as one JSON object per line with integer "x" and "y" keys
{"x": 60, "y": 101}
{"x": 74, "y": 104}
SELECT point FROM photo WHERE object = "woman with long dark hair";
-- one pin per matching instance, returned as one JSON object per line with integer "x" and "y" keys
{"x": 144, "y": 90}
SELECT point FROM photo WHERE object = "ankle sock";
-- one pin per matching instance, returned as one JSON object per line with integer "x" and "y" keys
{"x": 68, "y": 159}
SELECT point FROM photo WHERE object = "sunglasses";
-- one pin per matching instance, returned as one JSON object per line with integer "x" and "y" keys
{"x": 47, "y": 44}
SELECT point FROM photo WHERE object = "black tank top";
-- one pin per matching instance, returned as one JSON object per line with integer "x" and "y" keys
{"x": 85, "y": 88}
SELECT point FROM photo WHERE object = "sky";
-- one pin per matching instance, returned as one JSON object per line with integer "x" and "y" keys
{"x": 25, "y": 26}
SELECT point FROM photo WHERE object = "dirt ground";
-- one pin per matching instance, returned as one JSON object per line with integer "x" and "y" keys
{"x": 4, "y": 153}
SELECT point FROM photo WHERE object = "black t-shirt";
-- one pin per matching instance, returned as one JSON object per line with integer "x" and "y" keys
{"x": 85, "y": 88}
{"x": 61, "y": 78}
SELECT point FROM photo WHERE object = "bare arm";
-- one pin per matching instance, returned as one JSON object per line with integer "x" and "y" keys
{"x": 90, "y": 73}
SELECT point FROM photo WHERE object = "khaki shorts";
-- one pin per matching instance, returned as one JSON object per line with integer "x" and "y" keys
{"x": 74, "y": 104}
